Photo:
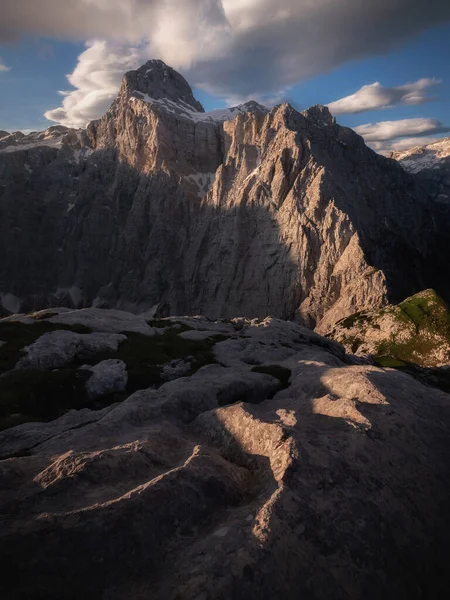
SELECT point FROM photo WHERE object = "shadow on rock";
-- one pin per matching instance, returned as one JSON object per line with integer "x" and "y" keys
{"x": 337, "y": 486}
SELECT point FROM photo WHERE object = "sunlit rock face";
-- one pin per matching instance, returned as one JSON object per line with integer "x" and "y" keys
{"x": 236, "y": 211}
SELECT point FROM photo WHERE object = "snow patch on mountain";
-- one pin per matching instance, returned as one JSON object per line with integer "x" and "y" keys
{"x": 203, "y": 181}
{"x": 81, "y": 154}
{"x": 419, "y": 158}
{"x": 53, "y": 137}
{"x": 183, "y": 109}
{"x": 57, "y": 136}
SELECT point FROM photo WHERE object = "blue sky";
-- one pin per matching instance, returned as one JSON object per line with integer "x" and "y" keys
{"x": 38, "y": 71}
{"x": 426, "y": 56}
{"x": 38, "y": 66}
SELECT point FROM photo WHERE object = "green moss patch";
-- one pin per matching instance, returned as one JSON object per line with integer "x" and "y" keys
{"x": 423, "y": 330}
{"x": 427, "y": 311}
{"x": 431, "y": 319}
{"x": 388, "y": 361}
{"x": 419, "y": 330}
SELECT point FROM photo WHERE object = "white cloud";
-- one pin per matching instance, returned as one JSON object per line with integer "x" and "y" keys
{"x": 244, "y": 48}
{"x": 388, "y": 136}
{"x": 96, "y": 78}
{"x": 376, "y": 96}
{"x": 391, "y": 130}
{"x": 3, "y": 67}
{"x": 186, "y": 31}
{"x": 180, "y": 31}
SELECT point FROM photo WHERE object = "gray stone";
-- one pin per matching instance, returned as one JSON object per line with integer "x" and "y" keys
{"x": 58, "y": 348}
{"x": 114, "y": 321}
{"x": 246, "y": 486}
{"x": 23, "y": 438}
{"x": 108, "y": 377}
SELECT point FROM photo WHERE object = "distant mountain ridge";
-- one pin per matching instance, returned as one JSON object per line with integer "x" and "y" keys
{"x": 430, "y": 156}
{"x": 431, "y": 165}
{"x": 56, "y": 136}
{"x": 241, "y": 211}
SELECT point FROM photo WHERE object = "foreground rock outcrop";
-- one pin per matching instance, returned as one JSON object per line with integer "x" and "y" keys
{"x": 281, "y": 468}
{"x": 237, "y": 211}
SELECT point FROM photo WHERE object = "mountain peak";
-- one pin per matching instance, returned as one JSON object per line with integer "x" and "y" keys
{"x": 158, "y": 81}
{"x": 319, "y": 114}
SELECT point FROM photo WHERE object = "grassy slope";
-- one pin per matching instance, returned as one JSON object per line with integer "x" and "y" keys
{"x": 423, "y": 325}
{"x": 431, "y": 319}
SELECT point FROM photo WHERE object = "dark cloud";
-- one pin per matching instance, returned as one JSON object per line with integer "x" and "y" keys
{"x": 277, "y": 43}
{"x": 233, "y": 48}
{"x": 73, "y": 19}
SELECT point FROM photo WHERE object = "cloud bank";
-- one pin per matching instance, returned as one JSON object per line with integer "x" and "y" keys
{"x": 390, "y": 130}
{"x": 96, "y": 79}
{"x": 376, "y": 96}
{"x": 238, "y": 48}
{"x": 403, "y": 134}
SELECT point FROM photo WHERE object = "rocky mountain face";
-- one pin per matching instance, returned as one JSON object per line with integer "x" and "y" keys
{"x": 214, "y": 459}
{"x": 201, "y": 458}
{"x": 71, "y": 141}
{"x": 240, "y": 211}
{"x": 430, "y": 166}
{"x": 431, "y": 163}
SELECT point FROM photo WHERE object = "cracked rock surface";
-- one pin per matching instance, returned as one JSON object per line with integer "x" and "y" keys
{"x": 281, "y": 470}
